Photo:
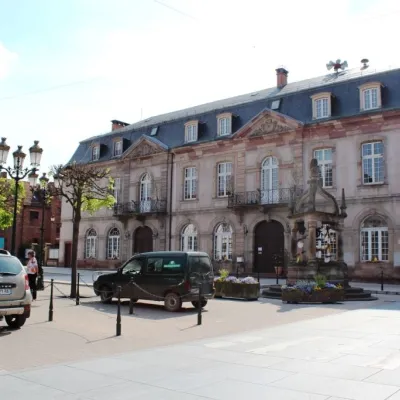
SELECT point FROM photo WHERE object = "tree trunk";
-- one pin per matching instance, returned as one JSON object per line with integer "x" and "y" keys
{"x": 74, "y": 256}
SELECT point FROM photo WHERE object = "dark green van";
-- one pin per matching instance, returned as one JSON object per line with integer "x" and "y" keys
{"x": 169, "y": 276}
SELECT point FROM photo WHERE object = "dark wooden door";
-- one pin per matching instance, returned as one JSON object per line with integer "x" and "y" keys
{"x": 67, "y": 254}
{"x": 269, "y": 240}
{"x": 143, "y": 240}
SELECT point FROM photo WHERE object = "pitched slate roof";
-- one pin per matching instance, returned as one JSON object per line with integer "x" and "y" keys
{"x": 295, "y": 102}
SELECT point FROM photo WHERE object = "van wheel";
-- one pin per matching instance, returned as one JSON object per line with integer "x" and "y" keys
{"x": 172, "y": 302}
{"x": 106, "y": 295}
{"x": 15, "y": 321}
{"x": 196, "y": 303}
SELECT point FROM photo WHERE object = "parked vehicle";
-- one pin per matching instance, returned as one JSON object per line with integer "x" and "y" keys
{"x": 4, "y": 251}
{"x": 170, "y": 276}
{"x": 15, "y": 294}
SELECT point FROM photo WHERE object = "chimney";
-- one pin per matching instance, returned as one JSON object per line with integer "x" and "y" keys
{"x": 117, "y": 124}
{"x": 281, "y": 77}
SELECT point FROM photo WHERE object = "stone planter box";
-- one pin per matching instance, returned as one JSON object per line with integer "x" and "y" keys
{"x": 248, "y": 291}
{"x": 320, "y": 296}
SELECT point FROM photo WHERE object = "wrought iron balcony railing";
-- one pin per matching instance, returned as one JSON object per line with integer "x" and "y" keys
{"x": 264, "y": 197}
{"x": 140, "y": 207}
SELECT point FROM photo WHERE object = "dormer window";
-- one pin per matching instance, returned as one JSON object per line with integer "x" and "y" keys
{"x": 191, "y": 131}
{"x": 95, "y": 152}
{"x": 370, "y": 96}
{"x": 117, "y": 148}
{"x": 224, "y": 124}
{"x": 321, "y": 105}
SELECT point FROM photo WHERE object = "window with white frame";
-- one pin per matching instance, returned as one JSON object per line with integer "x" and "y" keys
{"x": 223, "y": 242}
{"x": 370, "y": 98}
{"x": 324, "y": 157}
{"x": 224, "y": 172}
{"x": 90, "y": 244}
{"x": 321, "y": 108}
{"x": 117, "y": 148}
{"x": 189, "y": 238}
{"x": 190, "y": 184}
{"x": 372, "y": 163}
{"x": 224, "y": 126}
{"x": 95, "y": 153}
{"x": 117, "y": 189}
{"x": 113, "y": 244}
{"x": 191, "y": 133}
{"x": 374, "y": 240}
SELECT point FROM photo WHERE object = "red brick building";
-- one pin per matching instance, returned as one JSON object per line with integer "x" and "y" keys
{"x": 29, "y": 223}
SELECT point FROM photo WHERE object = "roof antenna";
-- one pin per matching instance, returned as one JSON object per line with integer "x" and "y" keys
{"x": 365, "y": 62}
{"x": 338, "y": 64}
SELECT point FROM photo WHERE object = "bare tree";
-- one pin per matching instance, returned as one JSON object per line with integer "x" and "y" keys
{"x": 86, "y": 188}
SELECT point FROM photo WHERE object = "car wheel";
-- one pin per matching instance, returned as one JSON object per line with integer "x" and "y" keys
{"x": 196, "y": 303}
{"x": 15, "y": 321}
{"x": 172, "y": 302}
{"x": 106, "y": 295}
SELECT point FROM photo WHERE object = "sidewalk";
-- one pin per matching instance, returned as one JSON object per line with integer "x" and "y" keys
{"x": 351, "y": 355}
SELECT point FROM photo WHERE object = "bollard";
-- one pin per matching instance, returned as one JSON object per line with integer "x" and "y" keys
{"x": 199, "y": 315}
{"x": 77, "y": 291}
{"x": 119, "y": 312}
{"x": 381, "y": 279}
{"x": 131, "y": 302}
{"x": 51, "y": 301}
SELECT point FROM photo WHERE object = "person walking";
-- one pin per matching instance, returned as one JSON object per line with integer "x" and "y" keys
{"x": 32, "y": 267}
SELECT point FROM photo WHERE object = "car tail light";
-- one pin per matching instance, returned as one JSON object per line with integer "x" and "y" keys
{"x": 188, "y": 286}
{"x": 27, "y": 282}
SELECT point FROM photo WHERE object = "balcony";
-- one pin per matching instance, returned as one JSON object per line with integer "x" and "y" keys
{"x": 257, "y": 198}
{"x": 140, "y": 208}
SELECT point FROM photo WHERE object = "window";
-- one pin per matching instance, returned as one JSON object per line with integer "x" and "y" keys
{"x": 166, "y": 265}
{"x": 95, "y": 153}
{"x": 189, "y": 238}
{"x": 191, "y": 133}
{"x": 324, "y": 157}
{"x": 113, "y": 244}
{"x": 90, "y": 244}
{"x": 223, "y": 242}
{"x": 370, "y": 98}
{"x": 145, "y": 193}
{"x": 372, "y": 163}
{"x": 190, "y": 185}
{"x": 117, "y": 148}
{"x": 117, "y": 189}
{"x": 321, "y": 108}
{"x": 224, "y": 126}
{"x": 374, "y": 240}
{"x": 270, "y": 181}
{"x": 133, "y": 267}
{"x": 224, "y": 179}
{"x": 33, "y": 215}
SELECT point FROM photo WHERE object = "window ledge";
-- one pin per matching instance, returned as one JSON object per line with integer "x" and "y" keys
{"x": 189, "y": 200}
{"x": 220, "y": 197}
{"x": 372, "y": 185}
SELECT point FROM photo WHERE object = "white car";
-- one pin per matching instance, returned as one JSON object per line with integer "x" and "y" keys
{"x": 15, "y": 294}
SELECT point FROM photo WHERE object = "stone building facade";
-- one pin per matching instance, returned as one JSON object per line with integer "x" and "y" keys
{"x": 220, "y": 177}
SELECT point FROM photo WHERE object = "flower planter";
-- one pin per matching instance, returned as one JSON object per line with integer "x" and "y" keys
{"x": 317, "y": 296}
{"x": 248, "y": 291}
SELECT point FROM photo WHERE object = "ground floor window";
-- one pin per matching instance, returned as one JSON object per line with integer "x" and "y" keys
{"x": 113, "y": 244}
{"x": 189, "y": 238}
{"x": 374, "y": 240}
{"x": 223, "y": 242}
{"x": 90, "y": 244}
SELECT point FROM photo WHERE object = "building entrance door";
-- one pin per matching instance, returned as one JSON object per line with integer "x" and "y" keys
{"x": 143, "y": 240}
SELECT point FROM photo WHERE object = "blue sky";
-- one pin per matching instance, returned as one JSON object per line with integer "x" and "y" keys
{"x": 68, "y": 67}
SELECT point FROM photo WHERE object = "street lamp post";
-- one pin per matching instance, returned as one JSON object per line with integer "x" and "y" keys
{"x": 41, "y": 192}
{"x": 17, "y": 173}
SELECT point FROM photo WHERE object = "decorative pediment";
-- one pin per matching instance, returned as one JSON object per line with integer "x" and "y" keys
{"x": 268, "y": 122}
{"x": 144, "y": 147}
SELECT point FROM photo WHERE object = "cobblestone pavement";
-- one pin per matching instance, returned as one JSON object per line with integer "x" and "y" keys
{"x": 248, "y": 348}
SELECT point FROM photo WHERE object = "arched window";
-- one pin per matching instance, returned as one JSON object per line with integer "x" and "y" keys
{"x": 113, "y": 244}
{"x": 223, "y": 242}
{"x": 374, "y": 240}
{"x": 145, "y": 193}
{"x": 189, "y": 238}
{"x": 269, "y": 181}
{"x": 90, "y": 244}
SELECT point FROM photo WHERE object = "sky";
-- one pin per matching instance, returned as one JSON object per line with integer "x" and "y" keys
{"x": 68, "y": 67}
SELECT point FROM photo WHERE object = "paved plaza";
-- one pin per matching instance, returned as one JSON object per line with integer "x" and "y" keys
{"x": 250, "y": 350}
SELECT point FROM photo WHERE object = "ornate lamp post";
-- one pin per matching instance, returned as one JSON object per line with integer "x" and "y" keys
{"x": 18, "y": 173}
{"x": 42, "y": 193}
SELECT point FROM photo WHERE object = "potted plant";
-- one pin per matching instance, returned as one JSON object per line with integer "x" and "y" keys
{"x": 318, "y": 290}
{"x": 238, "y": 288}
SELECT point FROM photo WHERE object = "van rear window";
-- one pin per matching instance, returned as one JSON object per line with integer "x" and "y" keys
{"x": 10, "y": 265}
{"x": 200, "y": 264}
